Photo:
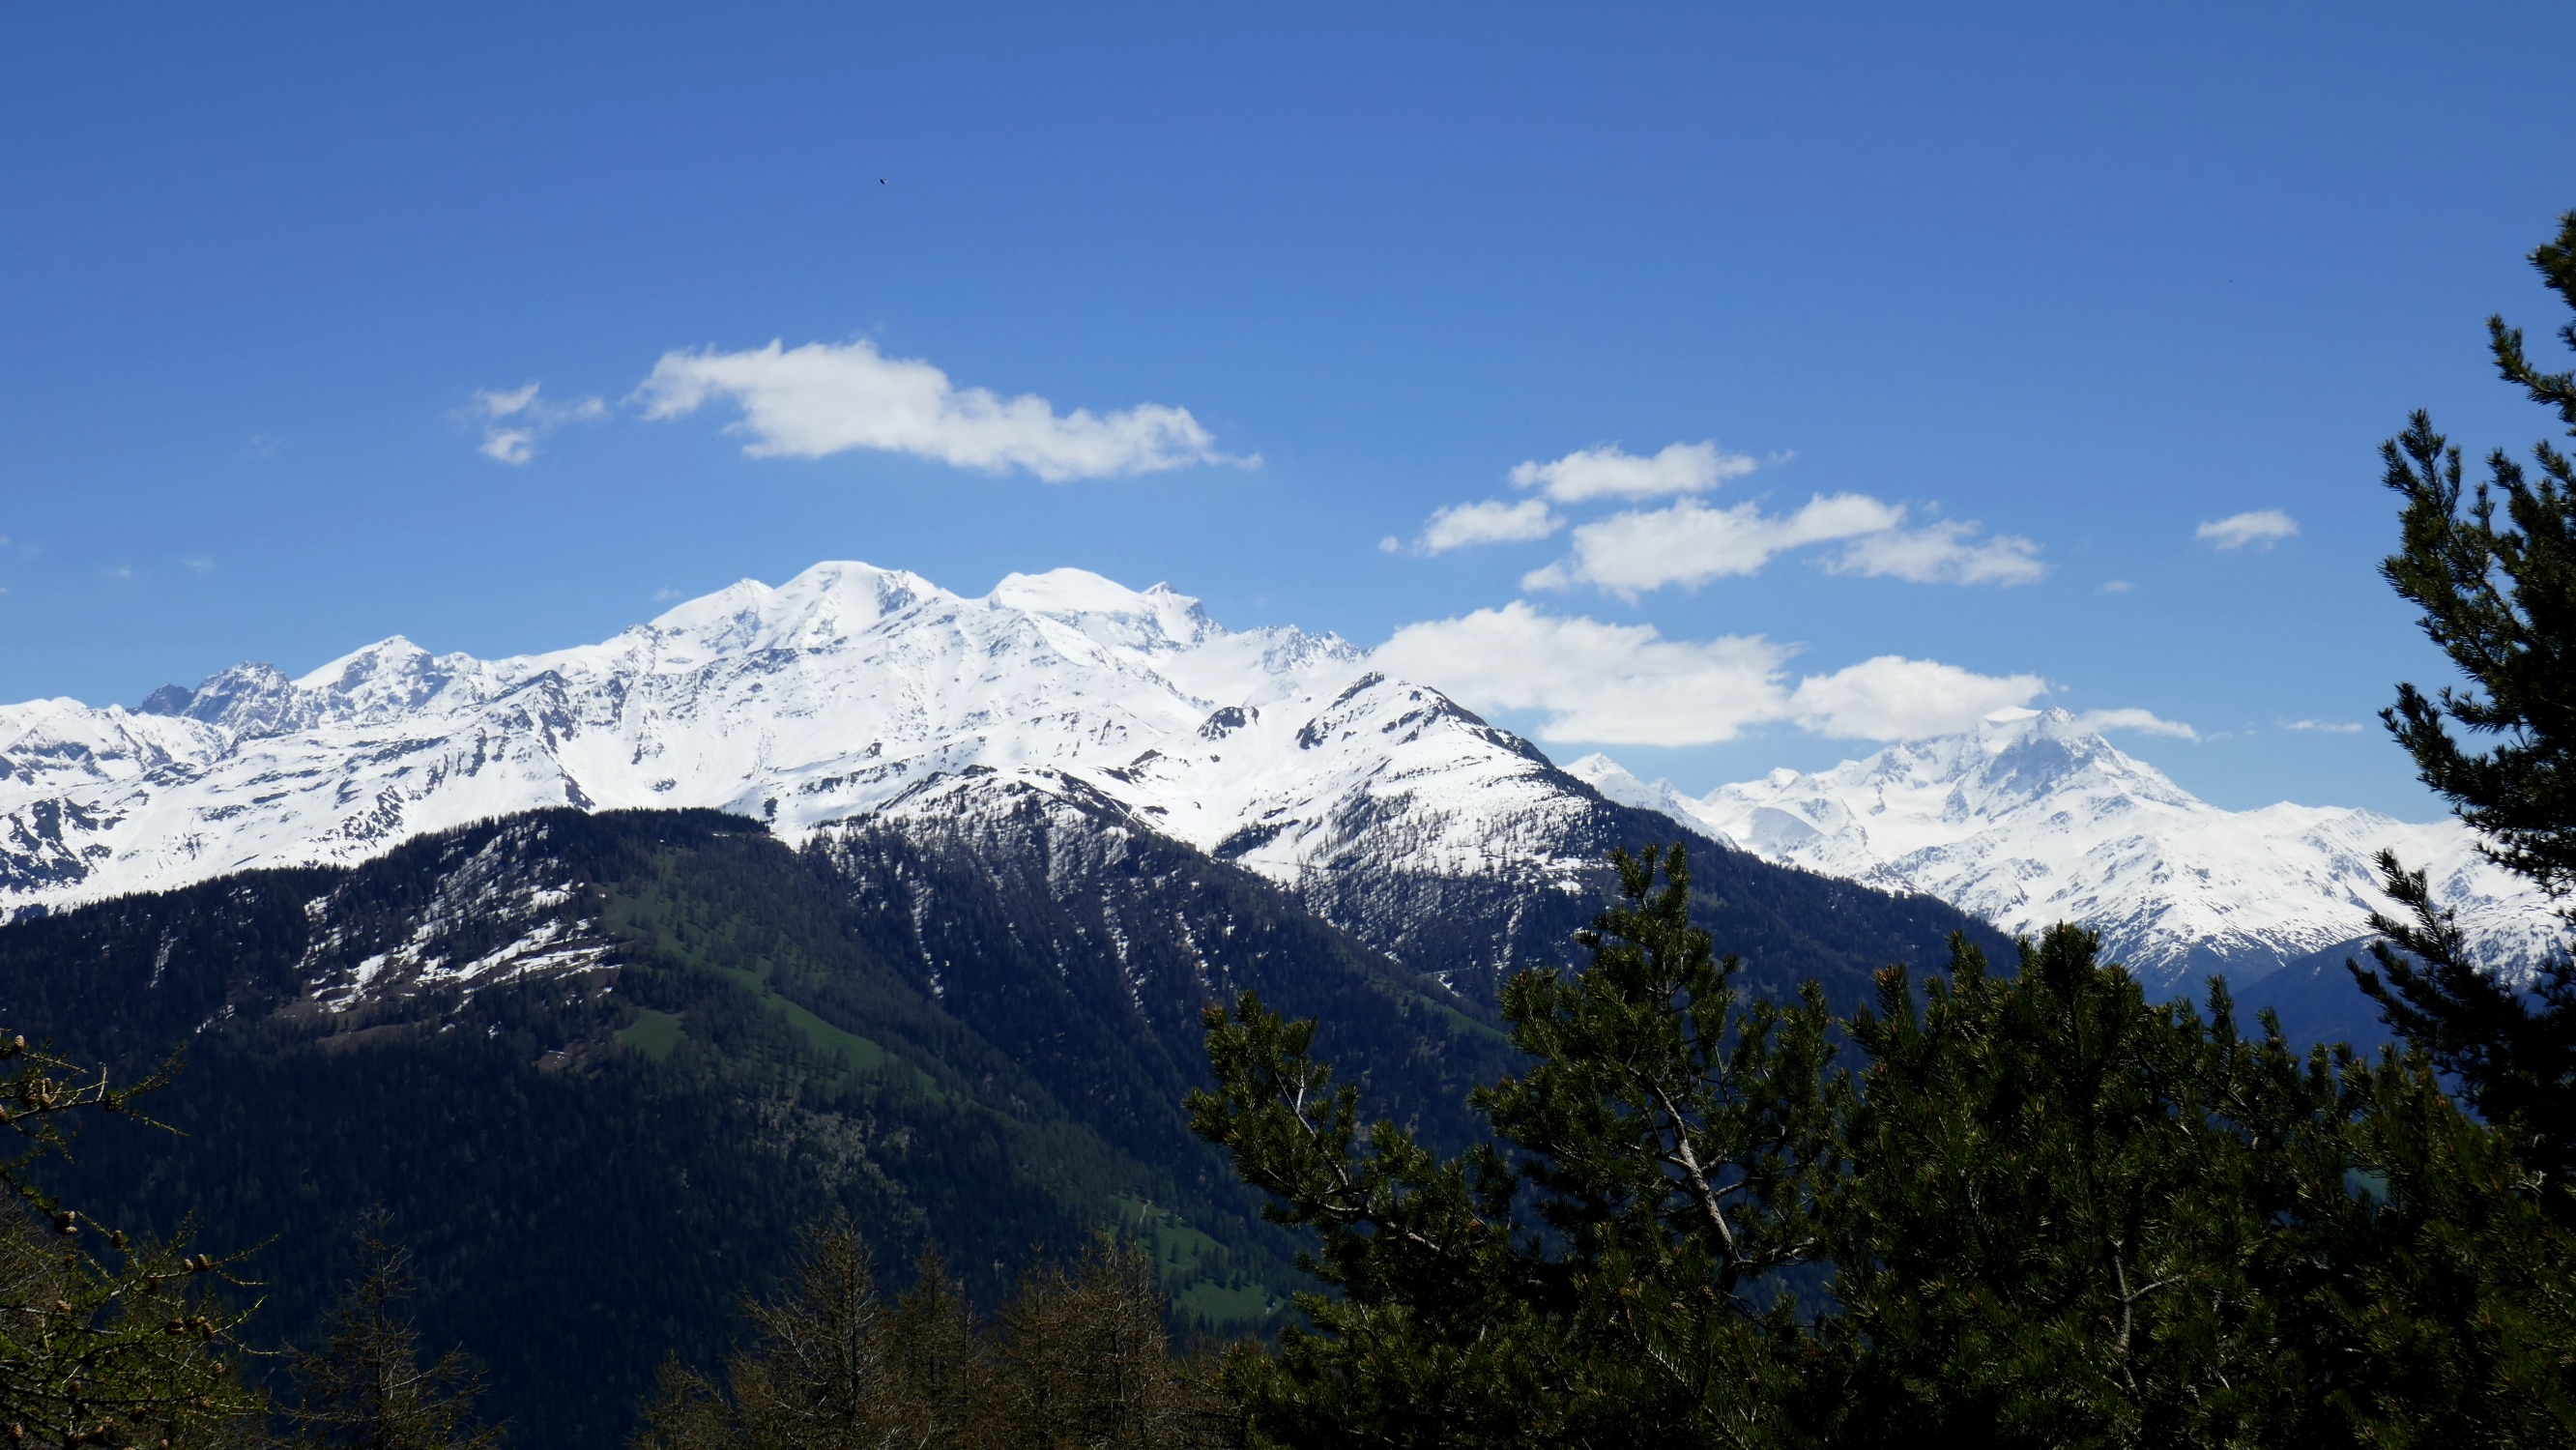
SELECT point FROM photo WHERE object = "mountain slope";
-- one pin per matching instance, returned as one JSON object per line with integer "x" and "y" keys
{"x": 2031, "y": 819}
{"x": 597, "y": 1067}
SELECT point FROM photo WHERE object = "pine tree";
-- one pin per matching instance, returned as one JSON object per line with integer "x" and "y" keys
{"x": 1078, "y": 1360}
{"x": 2499, "y": 597}
{"x": 104, "y": 1341}
{"x": 2028, "y": 1210}
{"x": 1085, "y": 1363}
{"x": 366, "y": 1388}
{"x": 2073, "y": 1217}
{"x": 939, "y": 1363}
{"x": 1611, "y": 1271}
{"x": 820, "y": 1376}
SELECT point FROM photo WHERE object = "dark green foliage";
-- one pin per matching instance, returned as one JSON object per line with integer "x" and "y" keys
{"x": 2046, "y": 1212}
{"x": 2051, "y": 1232}
{"x": 2499, "y": 598}
{"x": 2501, "y": 602}
{"x": 2514, "y": 1055}
{"x": 2070, "y": 1217}
{"x": 1595, "y": 1276}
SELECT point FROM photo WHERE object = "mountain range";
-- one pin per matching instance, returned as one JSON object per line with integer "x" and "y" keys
{"x": 2031, "y": 818}
{"x": 848, "y": 692}
{"x": 853, "y": 692}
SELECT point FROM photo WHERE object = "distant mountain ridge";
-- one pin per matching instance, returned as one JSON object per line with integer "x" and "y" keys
{"x": 2031, "y": 819}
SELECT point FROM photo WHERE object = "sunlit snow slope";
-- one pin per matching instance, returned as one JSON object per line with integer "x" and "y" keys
{"x": 2030, "y": 820}
{"x": 848, "y": 691}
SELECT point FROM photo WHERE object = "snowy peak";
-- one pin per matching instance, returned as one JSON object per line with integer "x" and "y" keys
{"x": 849, "y": 692}
{"x": 825, "y": 604}
{"x": 1616, "y": 785}
{"x": 2030, "y": 819}
{"x": 1106, "y": 611}
{"x": 390, "y": 678}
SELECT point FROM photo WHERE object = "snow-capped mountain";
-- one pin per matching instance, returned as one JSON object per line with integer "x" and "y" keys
{"x": 2030, "y": 820}
{"x": 849, "y": 691}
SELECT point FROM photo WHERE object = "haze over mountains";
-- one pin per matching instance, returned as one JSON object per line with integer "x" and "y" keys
{"x": 855, "y": 692}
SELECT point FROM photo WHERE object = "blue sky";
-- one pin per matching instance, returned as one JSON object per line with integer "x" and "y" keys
{"x": 272, "y": 285}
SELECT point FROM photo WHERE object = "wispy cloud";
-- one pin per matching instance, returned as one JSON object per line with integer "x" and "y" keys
{"x": 2118, "y": 586}
{"x": 1617, "y": 684}
{"x": 1947, "y": 552}
{"x": 201, "y": 564}
{"x": 823, "y": 398}
{"x": 2329, "y": 727}
{"x": 1608, "y": 472}
{"x": 1489, "y": 522}
{"x": 1690, "y": 543}
{"x": 2145, "y": 722}
{"x": 2263, "y": 527}
{"x": 514, "y": 420}
{"x": 1894, "y": 698}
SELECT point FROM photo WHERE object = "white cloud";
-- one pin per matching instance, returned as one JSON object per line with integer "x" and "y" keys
{"x": 1389, "y": 544}
{"x": 509, "y": 445}
{"x": 1942, "y": 553}
{"x": 1607, "y": 472}
{"x": 2263, "y": 526}
{"x": 821, "y": 399}
{"x": 201, "y": 564}
{"x": 1490, "y": 522}
{"x": 2117, "y": 586}
{"x": 1616, "y": 684}
{"x": 1894, "y": 698}
{"x": 1619, "y": 684}
{"x": 1690, "y": 543}
{"x": 514, "y": 420}
{"x": 2145, "y": 722}
{"x": 2330, "y": 727}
